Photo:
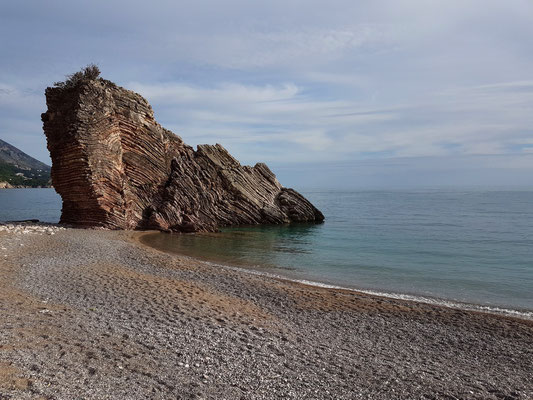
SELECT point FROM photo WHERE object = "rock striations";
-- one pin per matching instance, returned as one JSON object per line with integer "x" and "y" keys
{"x": 116, "y": 167}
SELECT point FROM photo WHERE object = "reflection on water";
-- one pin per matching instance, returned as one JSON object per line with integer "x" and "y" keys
{"x": 468, "y": 246}
{"x": 270, "y": 247}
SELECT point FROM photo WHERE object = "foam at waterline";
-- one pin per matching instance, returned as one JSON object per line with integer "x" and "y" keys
{"x": 398, "y": 296}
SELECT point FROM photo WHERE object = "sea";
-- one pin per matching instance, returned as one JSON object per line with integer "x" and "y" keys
{"x": 470, "y": 249}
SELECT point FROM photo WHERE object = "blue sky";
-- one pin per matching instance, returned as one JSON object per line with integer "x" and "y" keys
{"x": 336, "y": 94}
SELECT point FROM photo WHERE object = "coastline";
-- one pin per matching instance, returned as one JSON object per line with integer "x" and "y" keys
{"x": 98, "y": 314}
{"x": 26, "y": 187}
{"x": 440, "y": 302}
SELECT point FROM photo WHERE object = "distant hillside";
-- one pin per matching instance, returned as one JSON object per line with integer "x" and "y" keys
{"x": 20, "y": 170}
{"x": 11, "y": 155}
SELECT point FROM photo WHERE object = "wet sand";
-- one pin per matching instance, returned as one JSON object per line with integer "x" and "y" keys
{"x": 94, "y": 314}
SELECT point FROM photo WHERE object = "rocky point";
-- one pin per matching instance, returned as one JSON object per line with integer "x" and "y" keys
{"x": 116, "y": 167}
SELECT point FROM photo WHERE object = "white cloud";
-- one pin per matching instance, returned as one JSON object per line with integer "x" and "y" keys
{"x": 172, "y": 93}
{"x": 283, "y": 48}
{"x": 19, "y": 98}
{"x": 305, "y": 80}
{"x": 463, "y": 121}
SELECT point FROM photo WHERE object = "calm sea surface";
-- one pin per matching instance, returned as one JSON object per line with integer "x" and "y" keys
{"x": 469, "y": 246}
{"x": 20, "y": 204}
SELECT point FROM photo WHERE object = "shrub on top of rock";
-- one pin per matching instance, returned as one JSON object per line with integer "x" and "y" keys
{"x": 89, "y": 73}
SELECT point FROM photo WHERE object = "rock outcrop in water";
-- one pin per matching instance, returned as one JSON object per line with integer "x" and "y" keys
{"x": 115, "y": 166}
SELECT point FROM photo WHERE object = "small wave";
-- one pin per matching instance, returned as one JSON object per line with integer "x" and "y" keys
{"x": 452, "y": 304}
{"x": 528, "y": 315}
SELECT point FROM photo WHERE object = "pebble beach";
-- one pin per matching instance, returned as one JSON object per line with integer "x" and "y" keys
{"x": 95, "y": 314}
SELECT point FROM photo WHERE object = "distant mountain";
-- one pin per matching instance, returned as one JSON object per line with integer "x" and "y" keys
{"x": 17, "y": 169}
{"x": 11, "y": 155}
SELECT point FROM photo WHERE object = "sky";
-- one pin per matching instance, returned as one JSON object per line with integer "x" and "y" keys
{"x": 338, "y": 94}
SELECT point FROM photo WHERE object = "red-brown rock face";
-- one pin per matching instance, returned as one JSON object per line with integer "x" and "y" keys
{"x": 115, "y": 166}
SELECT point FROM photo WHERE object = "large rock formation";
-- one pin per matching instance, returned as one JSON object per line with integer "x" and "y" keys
{"x": 115, "y": 166}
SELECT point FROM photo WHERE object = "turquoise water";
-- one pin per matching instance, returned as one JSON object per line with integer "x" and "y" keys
{"x": 464, "y": 246}
{"x": 468, "y": 246}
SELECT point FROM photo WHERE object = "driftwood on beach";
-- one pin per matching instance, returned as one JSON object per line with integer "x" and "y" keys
{"x": 115, "y": 166}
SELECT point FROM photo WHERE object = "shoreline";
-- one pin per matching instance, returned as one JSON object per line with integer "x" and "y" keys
{"x": 26, "y": 187}
{"x": 97, "y": 314}
{"x": 436, "y": 301}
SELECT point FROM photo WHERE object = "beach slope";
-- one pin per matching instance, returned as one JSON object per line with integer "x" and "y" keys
{"x": 94, "y": 314}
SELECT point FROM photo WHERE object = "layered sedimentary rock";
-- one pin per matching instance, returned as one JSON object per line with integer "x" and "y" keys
{"x": 115, "y": 166}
